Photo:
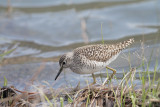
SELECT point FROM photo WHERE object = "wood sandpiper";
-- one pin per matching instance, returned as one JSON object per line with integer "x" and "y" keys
{"x": 92, "y": 58}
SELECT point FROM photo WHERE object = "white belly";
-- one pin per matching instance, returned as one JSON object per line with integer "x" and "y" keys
{"x": 91, "y": 66}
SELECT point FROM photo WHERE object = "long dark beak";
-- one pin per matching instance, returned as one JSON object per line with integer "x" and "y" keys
{"x": 60, "y": 70}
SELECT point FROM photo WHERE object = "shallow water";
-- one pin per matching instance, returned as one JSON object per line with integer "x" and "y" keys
{"x": 42, "y": 32}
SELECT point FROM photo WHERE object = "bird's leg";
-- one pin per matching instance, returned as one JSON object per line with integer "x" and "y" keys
{"x": 114, "y": 72}
{"x": 94, "y": 81}
{"x": 94, "y": 78}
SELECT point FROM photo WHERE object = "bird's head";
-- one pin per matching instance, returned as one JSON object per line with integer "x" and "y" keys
{"x": 64, "y": 62}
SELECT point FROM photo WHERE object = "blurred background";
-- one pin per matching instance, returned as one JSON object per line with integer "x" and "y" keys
{"x": 41, "y": 31}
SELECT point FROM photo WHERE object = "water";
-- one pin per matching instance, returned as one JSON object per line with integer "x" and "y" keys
{"x": 42, "y": 31}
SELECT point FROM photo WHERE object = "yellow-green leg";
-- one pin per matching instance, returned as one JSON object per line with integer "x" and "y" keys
{"x": 94, "y": 81}
{"x": 94, "y": 78}
{"x": 114, "y": 72}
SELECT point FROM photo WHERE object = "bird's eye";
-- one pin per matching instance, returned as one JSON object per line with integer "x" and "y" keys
{"x": 64, "y": 63}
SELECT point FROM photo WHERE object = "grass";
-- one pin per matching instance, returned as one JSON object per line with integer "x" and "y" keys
{"x": 1, "y": 58}
{"x": 5, "y": 82}
{"x": 124, "y": 94}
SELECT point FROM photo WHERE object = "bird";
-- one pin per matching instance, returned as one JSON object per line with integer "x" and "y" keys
{"x": 92, "y": 58}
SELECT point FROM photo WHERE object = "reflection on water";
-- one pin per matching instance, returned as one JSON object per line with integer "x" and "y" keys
{"x": 43, "y": 31}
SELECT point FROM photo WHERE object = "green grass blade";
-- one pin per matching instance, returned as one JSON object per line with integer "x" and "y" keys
{"x": 5, "y": 81}
{"x": 102, "y": 34}
{"x": 6, "y": 53}
{"x": 50, "y": 104}
{"x": 62, "y": 102}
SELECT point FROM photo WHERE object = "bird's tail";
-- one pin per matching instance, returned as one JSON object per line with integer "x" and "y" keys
{"x": 123, "y": 45}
